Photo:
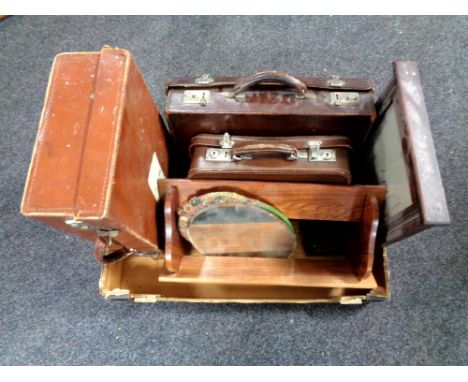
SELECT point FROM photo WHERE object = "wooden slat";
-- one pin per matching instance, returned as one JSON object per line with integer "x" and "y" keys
{"x": 173, "y": 251}
{"x": 363, "y": 250}
{"x": 295, "y": 200}
{"x": 319, "y": 272}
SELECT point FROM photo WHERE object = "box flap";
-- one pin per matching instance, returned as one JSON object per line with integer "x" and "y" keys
{"x": 402, "y": 156}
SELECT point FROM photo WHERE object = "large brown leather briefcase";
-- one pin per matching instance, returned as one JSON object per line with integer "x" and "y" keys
{"x": 100, "y": 170}
{"x": 270, "y": 103}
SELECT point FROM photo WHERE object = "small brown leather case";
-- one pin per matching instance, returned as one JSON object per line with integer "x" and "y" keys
{"x": 315, "y": 159}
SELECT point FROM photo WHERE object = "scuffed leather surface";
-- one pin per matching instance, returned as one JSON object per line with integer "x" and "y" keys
{"x": 272, "y": 166}
{"x": 97, "y": 135}
{"x": 267, "y": 112}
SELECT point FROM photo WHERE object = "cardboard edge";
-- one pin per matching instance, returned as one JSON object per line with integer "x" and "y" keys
{"x": 382, "y": 293}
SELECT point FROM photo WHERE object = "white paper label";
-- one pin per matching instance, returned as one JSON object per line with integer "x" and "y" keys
{"x": 155, "y": 173}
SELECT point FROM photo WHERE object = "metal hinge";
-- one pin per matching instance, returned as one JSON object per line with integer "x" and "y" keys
{"x": 107, "y": 232}
{"x": 77, "y": 224}
{"x": 335, "y": 81}
{"x": 204, "y": 79}
{"x": 226, "y": 142}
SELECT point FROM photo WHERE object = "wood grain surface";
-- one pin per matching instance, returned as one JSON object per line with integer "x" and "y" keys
{"x": 295, "y": 200}
{"x": 334, "y": 272}
{"x": 363, "y": 250}
{"x": 173, "y": 250}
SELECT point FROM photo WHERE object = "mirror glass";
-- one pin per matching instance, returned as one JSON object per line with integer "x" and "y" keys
{"x": 229, "y": 224}
{"x": 390, "y": 166}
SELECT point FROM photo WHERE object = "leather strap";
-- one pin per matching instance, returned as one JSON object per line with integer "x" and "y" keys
{"x": 270, "y": 76}
{"x": 108, "y": 251}
{"x": 264, "y": 148}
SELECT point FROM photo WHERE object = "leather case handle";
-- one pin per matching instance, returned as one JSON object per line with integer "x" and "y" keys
{"x": 249, "y": 151}
{"x": 244, "y": 84}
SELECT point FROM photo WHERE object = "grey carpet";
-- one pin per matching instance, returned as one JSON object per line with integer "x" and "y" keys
{"x": 51, "y": 311}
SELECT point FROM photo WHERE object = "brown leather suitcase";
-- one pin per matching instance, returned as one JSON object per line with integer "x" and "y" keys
{"x": 313, "y": 159}
{"x": 97, "y": 171}
{"x": 98, "y": 136}
{"x": 270, "y": 103}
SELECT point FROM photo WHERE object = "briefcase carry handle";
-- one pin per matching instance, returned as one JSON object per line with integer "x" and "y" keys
{"x": 274, "y": 76}
{"x": 249, "y": 151}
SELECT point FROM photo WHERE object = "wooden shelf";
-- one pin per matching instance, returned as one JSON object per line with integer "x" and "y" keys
{"x": 295, "y": 200}
{"x": 336, "y": 272}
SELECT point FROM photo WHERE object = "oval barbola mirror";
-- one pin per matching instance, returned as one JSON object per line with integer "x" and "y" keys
{"x": 230, "y": 224}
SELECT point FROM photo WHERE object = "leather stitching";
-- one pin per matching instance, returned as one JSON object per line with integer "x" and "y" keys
{"x": 39, "y": 139}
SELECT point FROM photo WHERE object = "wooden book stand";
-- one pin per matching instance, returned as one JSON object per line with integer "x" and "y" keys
{"x": 358, "y": 205}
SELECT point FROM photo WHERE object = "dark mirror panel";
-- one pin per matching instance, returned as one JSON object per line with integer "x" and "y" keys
{"x": 229, "y": 224}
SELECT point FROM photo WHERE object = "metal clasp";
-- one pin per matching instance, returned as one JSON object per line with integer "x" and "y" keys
{"x": 201, "y": 97}
{"x": 218, "y": 155}
{"x": 314, "y": 149}
{"x": 320, "y": 155}
{"x": 223, "y": 154}
{"x": 344, "y": 99}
